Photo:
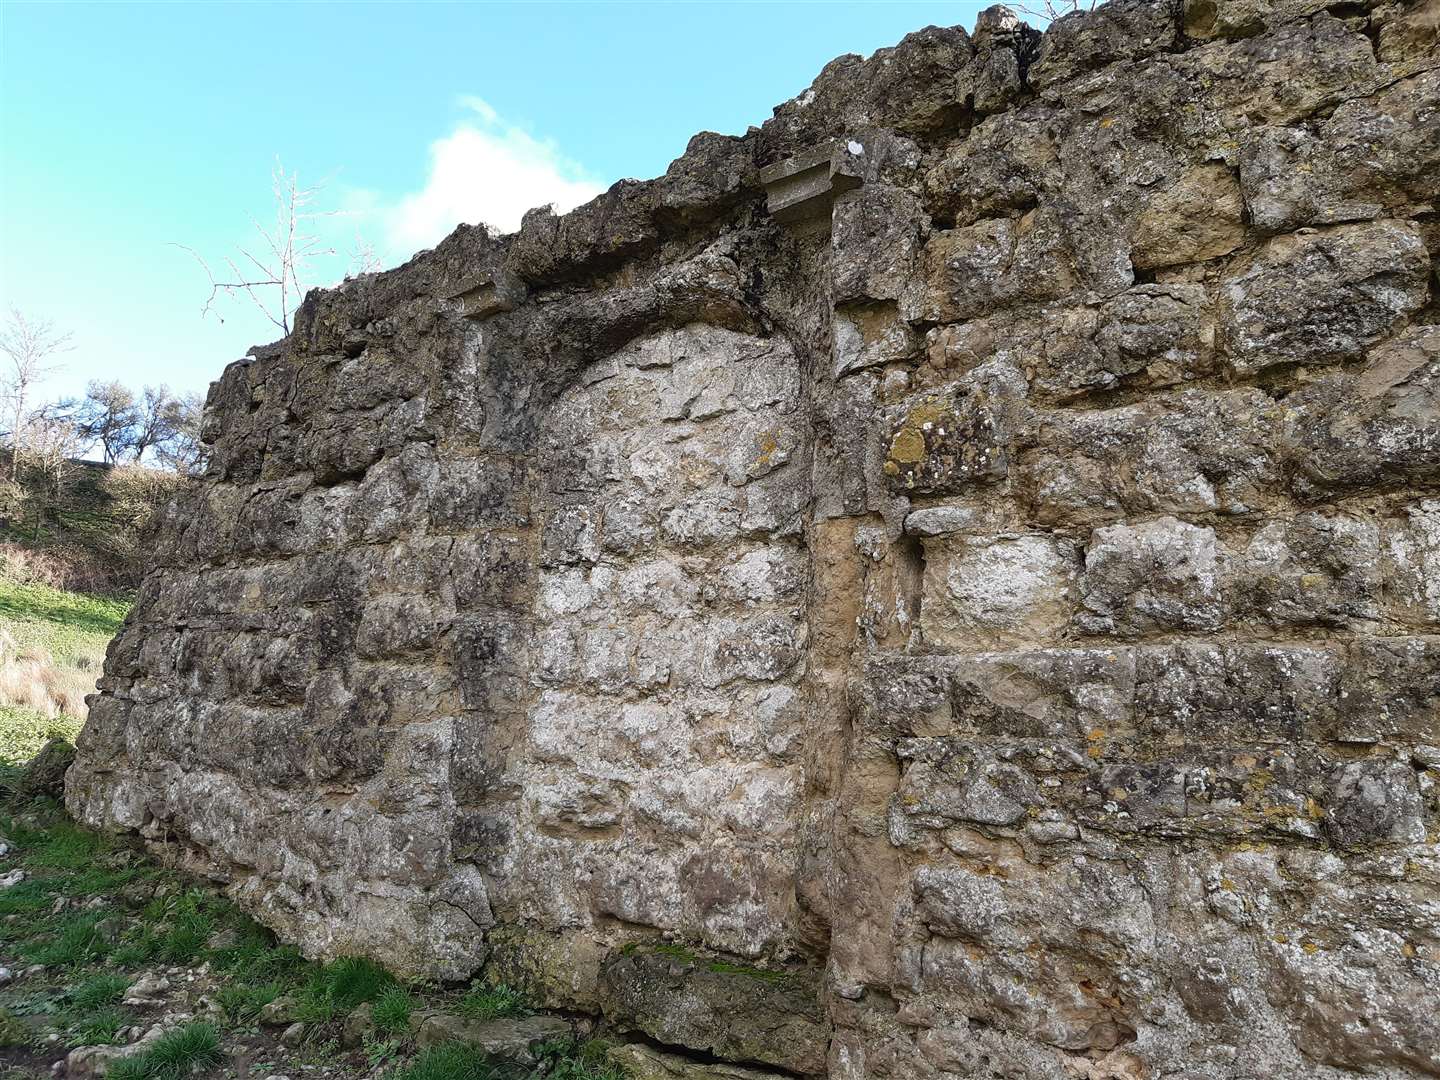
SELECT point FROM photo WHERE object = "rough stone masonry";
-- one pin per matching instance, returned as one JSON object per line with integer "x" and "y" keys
{"x": 946, "y": 584}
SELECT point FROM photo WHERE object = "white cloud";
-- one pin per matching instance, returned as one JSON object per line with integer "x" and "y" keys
{"x": 484, "y": 172}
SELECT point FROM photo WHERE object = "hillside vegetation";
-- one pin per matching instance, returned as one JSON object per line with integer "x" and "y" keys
{"x": 52, "y": 648}
{"x": 78, "y": 525}
{"x": 69, "y": 558}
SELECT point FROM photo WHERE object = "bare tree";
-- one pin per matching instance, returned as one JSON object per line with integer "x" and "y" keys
{"x": 363, "y": 257}
{"x": 52, "y": 447}
{"x": 154, "y": 417}
{"x": 108, "y": 415}
{"x": 181, "y": 449}
{"x": 275, "y": 272}
{"x": 30, "y": 347}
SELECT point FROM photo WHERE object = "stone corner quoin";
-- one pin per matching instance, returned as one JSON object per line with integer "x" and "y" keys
{"x": 946, "y": 584}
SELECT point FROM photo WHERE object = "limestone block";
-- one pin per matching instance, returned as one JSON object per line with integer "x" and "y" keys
{"x": 870, "y": 335}
{"x": 1205, "y": 19}
{"x": 1129, "y": 30}
{"x": 973, "y": 270}
{"x": 992, "y": 589}
{"x": 1373, "y": 154}
{"x": 948, "y": 441}
{"x": 773, "y": 1018}
{"x": 1389, "y": 691}
{"x": 1311, "y": 569}
{"x": 1203, "y": 452}
{"x": 876, "y": 234}
{"x": 1249, "y": 694}
{"x": 803, "y": 188}
{"x": 1378, "y": 423}
{"x": 1161, "y": 575}
{"x": 512, "y": 1039}
{"x": 644, "y": 1063}
{"x": 1199, "y": 217}
{"x": 1410, "y": 570}
{"x": 488, "y": 293}
{"x": 1150, "y": 335}
{"x": 1374, "y": 801}
{"x": 1322, "y": 297}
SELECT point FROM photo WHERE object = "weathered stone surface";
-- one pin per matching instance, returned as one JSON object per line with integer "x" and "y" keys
{"x": 643, "y": 1063}
{"x": 1323, "y": 296}
{"x": 1197, "y": 218}
{"x": 509, "y": 1039}
{"x": 986, "y": 628}
{"x": 769, "y": 1017}
{"x": 1161, "y": 575}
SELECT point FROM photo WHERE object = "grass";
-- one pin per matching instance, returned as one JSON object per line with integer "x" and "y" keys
{"x": 52, "y": 649}
{"x": 338, "y": 987}
{"x": 75, "y": 942}
{"x": 559, "y": 1060}
{"x": 243, "y": 1004}
{"x": 23, "y": 731}
{"x": 392, "y": 1011}
{"x": 451, "y": 1061}
{"x": 172, "y": 1056}
{"x": 100, "y": 1026}
{"x": 92, "y": 955}
{"x": 492, "y": 1002}
{"x": 569, "y": 1059}
{"x": 72, "y": 627}
{"x": 99, "y": 990}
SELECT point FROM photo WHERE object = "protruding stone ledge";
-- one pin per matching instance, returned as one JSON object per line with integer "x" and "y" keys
{"x": 801, "y": 190}
{"x": 489, "y": 293}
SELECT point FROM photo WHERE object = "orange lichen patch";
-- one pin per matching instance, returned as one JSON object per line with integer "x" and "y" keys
{"x": 907, "y": 445}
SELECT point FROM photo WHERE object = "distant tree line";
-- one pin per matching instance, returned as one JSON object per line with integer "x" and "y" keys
{"x": 80, "y": 518}
{"x": 152, "y": 427}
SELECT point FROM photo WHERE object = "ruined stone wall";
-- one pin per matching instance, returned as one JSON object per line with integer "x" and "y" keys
{"x": 944, "y": 585}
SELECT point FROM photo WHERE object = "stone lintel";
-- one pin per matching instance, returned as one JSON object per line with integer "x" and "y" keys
{"x": 489, "y": 293}
{"x": 803, "y": 188}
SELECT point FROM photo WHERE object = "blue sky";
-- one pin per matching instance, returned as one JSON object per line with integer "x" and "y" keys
{"x": 126, "y": 129}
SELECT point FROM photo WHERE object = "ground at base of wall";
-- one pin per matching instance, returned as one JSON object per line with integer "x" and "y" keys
{"x": 111, "y": 966}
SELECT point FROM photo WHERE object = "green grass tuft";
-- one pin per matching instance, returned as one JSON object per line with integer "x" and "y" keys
{"x": 75, "y": 942}
{"x": 99, "y": 990}
{"x": 492, "y": 1002}
{"x": 338, "y": 987}
{"x": 242, "y": 1004}
{"x": 392, "y": 1011}
{"x": 100, "y": 1026}
{"x": 572, "y": 1059}
{"x": 451, "y": 1061}
{"x": 173, "y": 1056}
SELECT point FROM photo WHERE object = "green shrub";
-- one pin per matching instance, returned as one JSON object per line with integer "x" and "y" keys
{"x": 492, "y": 1002}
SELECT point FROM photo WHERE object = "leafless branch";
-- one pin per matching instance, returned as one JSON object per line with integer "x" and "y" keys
{"x": 280, "y": 278}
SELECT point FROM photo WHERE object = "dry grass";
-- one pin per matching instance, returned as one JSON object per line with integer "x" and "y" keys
{"x": 31, "y": 679}
{"x": 71, "y": 570}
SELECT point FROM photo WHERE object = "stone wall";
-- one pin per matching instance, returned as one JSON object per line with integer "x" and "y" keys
{"x": 944, "y": 585}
